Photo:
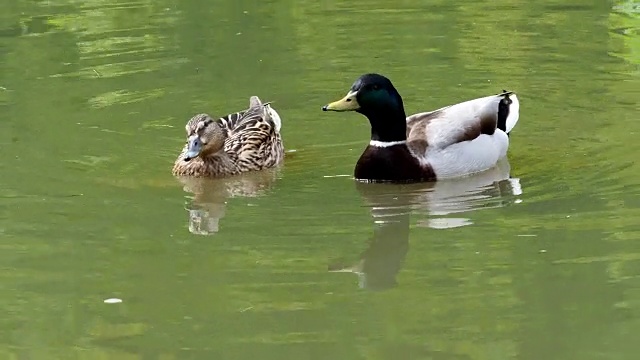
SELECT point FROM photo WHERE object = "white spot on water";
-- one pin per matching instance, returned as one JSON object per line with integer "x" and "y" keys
{"x": 336, "y": 176}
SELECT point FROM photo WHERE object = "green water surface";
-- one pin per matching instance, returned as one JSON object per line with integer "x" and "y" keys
{"x": 538, "y": 259}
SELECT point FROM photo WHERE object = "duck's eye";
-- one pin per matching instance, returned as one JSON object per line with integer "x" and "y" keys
{"x": 376, "y": 87}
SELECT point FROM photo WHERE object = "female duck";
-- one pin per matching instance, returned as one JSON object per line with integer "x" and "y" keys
{"x": 244, "y": 141}
{"x": 453, "y": 141}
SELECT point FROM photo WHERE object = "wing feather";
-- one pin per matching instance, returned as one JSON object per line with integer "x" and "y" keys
{"x": 453, "y": 124}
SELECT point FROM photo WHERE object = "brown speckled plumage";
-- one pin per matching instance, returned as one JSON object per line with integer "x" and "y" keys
{"x": 245, "y": 141}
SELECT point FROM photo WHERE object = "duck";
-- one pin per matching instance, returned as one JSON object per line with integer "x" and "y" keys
{"x": 240, "y": 142}
{"x": 451, "y": 142}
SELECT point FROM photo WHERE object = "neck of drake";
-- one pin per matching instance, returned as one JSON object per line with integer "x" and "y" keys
{"x": 388, "y": 126}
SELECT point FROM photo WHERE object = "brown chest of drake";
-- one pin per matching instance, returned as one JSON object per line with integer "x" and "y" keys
{"x": 393, "y": 164}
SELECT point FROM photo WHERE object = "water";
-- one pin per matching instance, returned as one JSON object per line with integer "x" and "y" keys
{"x": 538, "y": 259}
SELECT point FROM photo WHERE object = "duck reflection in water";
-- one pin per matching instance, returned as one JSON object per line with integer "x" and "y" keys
{"x": 208, "y": 204}
{"x": 393, "y": 204}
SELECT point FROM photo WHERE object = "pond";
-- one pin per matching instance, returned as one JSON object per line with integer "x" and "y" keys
{"x": 105, "y": 255}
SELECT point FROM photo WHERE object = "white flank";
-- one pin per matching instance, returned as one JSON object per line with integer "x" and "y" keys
{"x": 468, "y": 157}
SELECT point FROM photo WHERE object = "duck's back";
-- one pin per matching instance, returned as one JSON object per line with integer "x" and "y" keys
{"x": 253, "y": 137}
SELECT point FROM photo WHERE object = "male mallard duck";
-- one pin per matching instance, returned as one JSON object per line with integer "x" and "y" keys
{"x": 453, "y": 141}
{"x": 244, "y": 141}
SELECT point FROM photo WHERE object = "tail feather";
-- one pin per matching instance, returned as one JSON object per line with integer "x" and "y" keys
{"x": 269, "y": 113}
{"x": 508, "y": 111}
{"x": 254, "y": 101}
{"x": 514, "y": 113}
{"x": 275, "y": 117}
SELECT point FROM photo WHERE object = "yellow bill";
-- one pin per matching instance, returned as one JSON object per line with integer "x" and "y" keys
{"x": 347, "y": 103}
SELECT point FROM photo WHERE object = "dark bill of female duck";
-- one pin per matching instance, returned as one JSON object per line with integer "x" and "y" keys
{"x": 453, "y": 141}
{"x": 194, "y": 147}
